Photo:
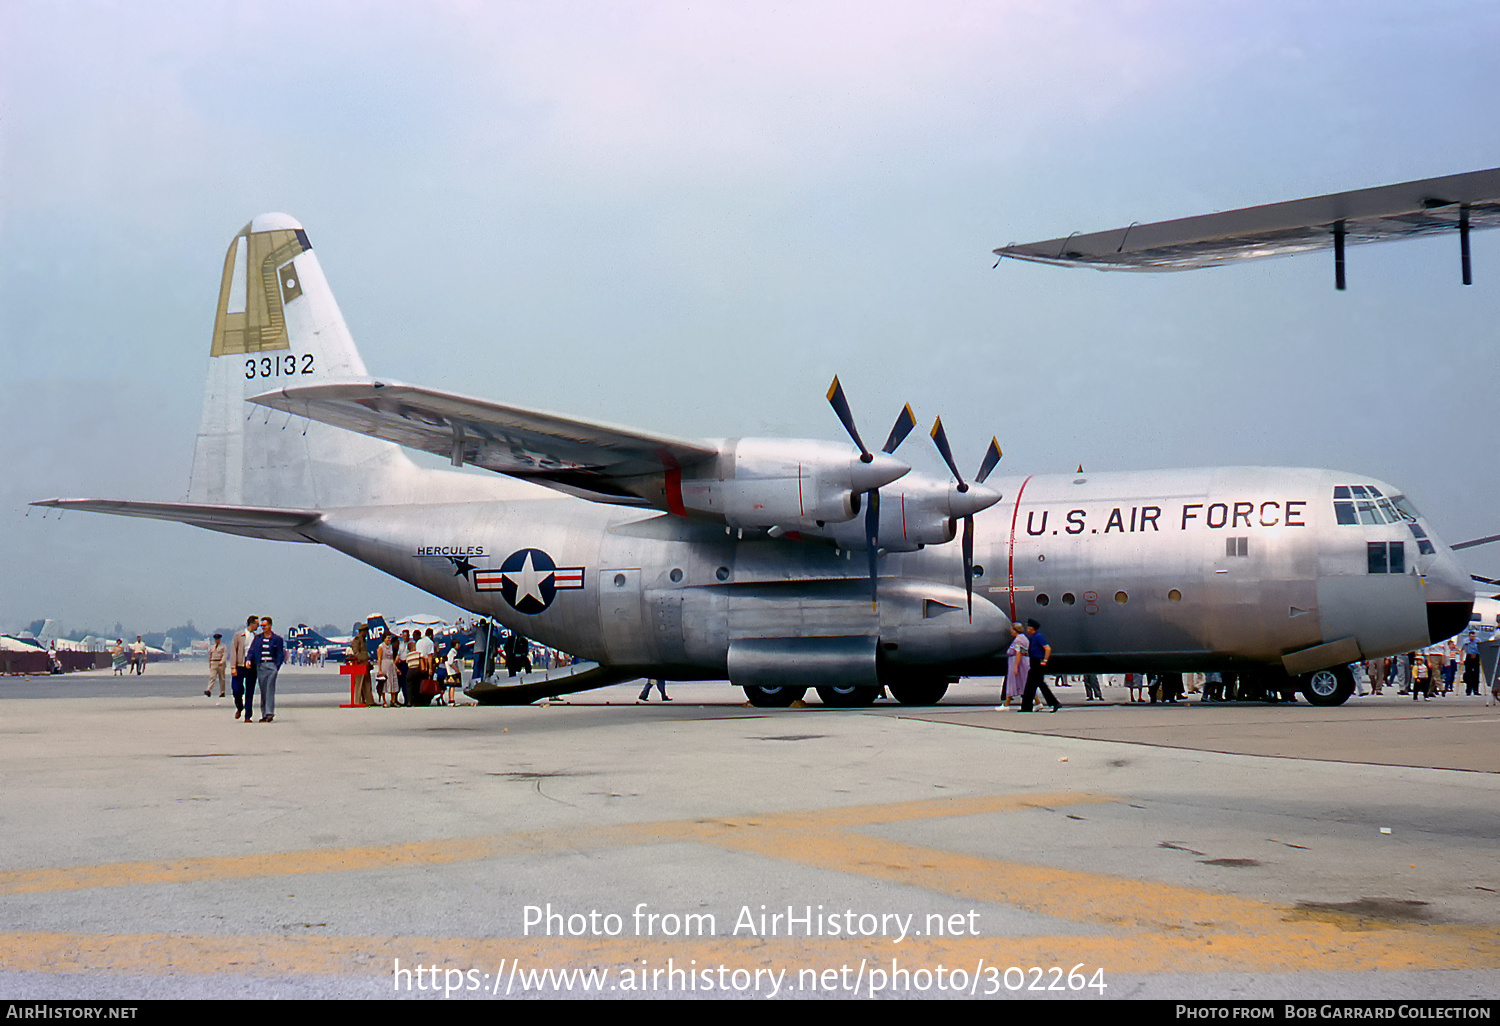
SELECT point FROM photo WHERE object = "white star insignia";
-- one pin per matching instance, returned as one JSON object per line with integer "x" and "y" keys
{"x": 528, "y": 581}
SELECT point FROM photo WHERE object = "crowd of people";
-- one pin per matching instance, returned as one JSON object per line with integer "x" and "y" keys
{"x": 1430, "y": 673}
{"x": 405, "y": 670}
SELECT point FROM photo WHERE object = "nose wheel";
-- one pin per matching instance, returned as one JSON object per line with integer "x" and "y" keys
{"x": 1332, "y": 686}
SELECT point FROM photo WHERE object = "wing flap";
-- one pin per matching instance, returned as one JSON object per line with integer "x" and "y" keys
{"x": 266, "y": 522}
{"x": 1425, "y": 207}
{"x": 578, "y": 456}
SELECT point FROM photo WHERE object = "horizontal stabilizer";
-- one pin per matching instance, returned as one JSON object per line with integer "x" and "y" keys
{"x": 1432, "y": 205}
{"x": 250, "y": 521}
{"x": 578, "y": 456}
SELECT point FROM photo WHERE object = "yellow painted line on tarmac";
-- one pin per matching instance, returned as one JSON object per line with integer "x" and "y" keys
{"x": 1102, "y": 898}
{"x": 1133, "y": 926}
{"x": 395, "y": 856}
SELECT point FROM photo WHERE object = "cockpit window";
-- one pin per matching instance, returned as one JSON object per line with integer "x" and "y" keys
{"x": 1364, "y": 504}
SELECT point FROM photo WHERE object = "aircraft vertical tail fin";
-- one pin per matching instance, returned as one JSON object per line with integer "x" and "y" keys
{"x": 277, "y": 323}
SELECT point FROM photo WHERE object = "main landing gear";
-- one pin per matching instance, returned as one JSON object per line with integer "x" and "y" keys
{"x": 1332, "y": 686}
{"x": 773, "y": 698}
{"x": 851, "y": 696}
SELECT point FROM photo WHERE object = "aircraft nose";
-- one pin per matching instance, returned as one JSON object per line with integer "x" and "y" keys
{"x": 882, "y": 469}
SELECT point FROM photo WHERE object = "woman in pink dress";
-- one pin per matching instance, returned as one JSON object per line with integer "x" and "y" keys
{"x": 1017, "y": 664}
{"x": 386, "y": 672}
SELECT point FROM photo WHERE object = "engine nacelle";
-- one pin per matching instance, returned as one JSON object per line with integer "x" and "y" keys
{"x": 790, "y": 483}
{"x": 919, "y": 511}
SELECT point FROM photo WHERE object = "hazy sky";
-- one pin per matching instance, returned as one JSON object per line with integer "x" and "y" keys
{"x": 689, "y": 217}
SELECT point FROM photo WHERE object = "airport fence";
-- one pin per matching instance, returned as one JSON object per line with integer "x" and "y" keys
{"x": 36, "y": 663}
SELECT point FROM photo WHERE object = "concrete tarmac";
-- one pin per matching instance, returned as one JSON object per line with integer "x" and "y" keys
{"x": 154, "y": 847}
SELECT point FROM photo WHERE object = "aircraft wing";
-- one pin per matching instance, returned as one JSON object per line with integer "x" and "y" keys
{"x": 250, "y": 521}
{"x": 1454, "y": 204}
{"x": 580, "y": 457}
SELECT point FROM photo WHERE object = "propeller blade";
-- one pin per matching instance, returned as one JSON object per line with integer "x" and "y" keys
{"x": 904, "y": 423}
{"x": 969, "y": 563}
{"x": 841, "y": 407}
{"x": 872, "y": 535}
{"x": 991, "y": 458}
{"x": 940, "y": 437}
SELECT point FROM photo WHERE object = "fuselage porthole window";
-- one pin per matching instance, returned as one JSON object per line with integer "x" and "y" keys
{"x": 1174, "y": 595}
{"x": 1068, "y": 598}
{"x": 1042, "y": 599}
{"x": 1121, "y": 597}
{"x": 676, "y": 575}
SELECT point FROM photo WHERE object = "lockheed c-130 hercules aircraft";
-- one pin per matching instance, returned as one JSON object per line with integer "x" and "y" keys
{"x": 782, "y": 564}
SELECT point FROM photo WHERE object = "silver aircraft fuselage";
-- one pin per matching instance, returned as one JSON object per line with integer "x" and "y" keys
{"x": 1165, "y": 570}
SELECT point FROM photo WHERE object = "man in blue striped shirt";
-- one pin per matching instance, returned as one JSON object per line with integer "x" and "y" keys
{"x": 267, "y": 653}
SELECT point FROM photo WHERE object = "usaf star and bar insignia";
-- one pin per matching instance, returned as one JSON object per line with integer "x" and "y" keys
{"x": 529, "y": 580}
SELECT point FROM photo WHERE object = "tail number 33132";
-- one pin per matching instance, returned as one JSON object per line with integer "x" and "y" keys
{"x": 287, "y": 366}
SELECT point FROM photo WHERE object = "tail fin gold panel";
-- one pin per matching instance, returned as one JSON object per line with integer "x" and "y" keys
{"x": 250, "y": 317}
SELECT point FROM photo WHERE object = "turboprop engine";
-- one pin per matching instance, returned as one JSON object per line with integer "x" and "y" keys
{"x": 793, "y": 484}
{"x": 917, "y": 512}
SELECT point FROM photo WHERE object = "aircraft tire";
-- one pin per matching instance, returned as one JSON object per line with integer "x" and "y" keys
{"x": 919, "y": 692}
{"x": 773, "y": 698}
{"x": 851, "y": 696}
{"x": 1332, "y": 686}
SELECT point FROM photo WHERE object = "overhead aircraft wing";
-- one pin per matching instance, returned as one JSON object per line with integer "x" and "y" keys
{"x": 580, "y": 457}
{"x": 267, "y": 522}
{"x": 1455, "y": 203}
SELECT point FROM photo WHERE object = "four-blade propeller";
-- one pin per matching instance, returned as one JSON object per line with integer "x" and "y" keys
{"x": 905, "y": 421}
{"x": 976, "y": 500}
